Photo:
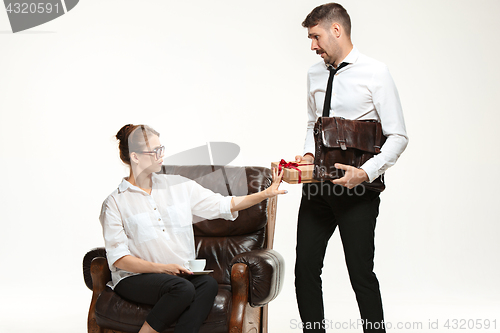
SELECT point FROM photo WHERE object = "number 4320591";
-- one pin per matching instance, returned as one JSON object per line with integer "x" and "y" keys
{"x": 463, "y": 324}
{"x": 32, "y": 8}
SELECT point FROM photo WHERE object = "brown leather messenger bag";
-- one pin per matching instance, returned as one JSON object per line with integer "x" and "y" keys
{"x": 350, "y": 142}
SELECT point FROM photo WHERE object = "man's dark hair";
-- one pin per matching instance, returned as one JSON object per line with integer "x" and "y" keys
{"x": 326, "y": 15}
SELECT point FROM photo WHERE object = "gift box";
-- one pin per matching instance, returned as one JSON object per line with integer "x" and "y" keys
{"x": 295, "y": 172}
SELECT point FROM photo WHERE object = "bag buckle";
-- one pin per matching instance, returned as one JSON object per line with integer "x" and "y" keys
{"x": 342, "y": 144}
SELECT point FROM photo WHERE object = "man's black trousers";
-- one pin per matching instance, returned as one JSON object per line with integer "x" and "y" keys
{"x": 325, "y": 206}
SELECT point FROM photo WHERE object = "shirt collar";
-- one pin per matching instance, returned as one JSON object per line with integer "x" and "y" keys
{"x": 125, "y": 185}
{"x": 352, "y": 57}
{"x": 154, "y": 179}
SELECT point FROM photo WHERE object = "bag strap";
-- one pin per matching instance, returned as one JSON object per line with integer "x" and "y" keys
{"x": 378, "y": 137}
{"x": 341, "y": 132}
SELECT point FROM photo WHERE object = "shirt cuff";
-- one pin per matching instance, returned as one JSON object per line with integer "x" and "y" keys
{"x": 308, "y": 149}
{"x": 118, "y": 252}
{"x": 225, "y": 209}
{"x": 371, "y": 170}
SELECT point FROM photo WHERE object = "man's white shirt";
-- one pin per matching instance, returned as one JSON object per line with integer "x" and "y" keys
{"x": 363, "y": 90}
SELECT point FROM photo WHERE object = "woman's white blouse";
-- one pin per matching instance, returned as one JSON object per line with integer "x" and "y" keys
{"x": 157, "y": 227}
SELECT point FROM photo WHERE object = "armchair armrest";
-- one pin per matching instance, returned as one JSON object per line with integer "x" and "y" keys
{"x": 96, "y": 274}
{"x": 87, "y": 261}
{"x": 266, "y": 274}
{"x": 100, "y": 276}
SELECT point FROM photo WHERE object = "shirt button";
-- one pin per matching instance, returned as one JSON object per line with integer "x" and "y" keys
{"x": 155, "y": 208}
{"x": 163, "y": 230}
{"x": 159, "y": 219}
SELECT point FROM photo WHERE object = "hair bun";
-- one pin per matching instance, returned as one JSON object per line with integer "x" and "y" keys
{"x": 124, "y": 132}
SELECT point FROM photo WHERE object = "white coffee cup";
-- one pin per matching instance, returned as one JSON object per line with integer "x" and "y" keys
{"x": 196, "y": 265}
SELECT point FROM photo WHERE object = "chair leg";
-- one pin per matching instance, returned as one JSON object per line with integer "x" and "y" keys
{"x": 92, "y": 326}
{"x": 265, "y": 318}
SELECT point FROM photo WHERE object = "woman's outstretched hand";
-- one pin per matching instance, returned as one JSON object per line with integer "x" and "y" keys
{"x": 274, "y": 190}
{"x": 244, "y": 202}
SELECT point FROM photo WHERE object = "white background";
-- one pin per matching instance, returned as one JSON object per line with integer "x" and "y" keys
{"x": 200, "y": 71}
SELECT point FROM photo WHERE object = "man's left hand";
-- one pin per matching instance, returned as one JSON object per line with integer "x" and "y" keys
{"x": 352, "y": 177}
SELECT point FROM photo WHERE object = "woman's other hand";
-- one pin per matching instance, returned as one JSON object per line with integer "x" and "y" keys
{"x": 137, "y": 265}
{"x": 174, "y": 269}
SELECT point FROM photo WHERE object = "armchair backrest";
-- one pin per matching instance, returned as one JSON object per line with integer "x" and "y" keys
{"x": 218, "y": 241}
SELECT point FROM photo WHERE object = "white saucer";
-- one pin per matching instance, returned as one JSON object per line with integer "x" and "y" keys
{"x": 203, "y": 272}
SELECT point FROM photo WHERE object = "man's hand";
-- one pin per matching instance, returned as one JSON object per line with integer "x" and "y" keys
{"x": 352, "y": 177}
{"x": 306, "y": 158}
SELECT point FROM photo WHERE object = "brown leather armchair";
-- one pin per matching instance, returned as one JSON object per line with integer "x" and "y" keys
{"x": 249, "y": 272}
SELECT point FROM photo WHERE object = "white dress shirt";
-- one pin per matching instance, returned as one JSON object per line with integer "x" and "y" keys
{"x": 157, "y": 227}
{"x": 363, "y": 90}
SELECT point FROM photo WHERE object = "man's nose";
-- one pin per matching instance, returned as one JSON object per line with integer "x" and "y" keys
{"x": 314, "y": 45}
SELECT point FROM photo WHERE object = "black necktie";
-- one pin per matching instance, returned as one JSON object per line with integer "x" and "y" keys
{"x": 328, "y": 96}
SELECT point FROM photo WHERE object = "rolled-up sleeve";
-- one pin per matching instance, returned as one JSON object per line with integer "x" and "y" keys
{"x": 210, "y": 205}
{"x": 115, "y": 239}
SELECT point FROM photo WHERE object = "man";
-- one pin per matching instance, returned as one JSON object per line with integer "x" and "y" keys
{"x": 362, "y": 89}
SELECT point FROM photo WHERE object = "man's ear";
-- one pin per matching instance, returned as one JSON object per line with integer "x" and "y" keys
{"x": 336, "y": 29}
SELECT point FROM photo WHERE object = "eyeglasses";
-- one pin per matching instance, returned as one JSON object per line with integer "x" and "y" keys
{"x": 159, "y": 152}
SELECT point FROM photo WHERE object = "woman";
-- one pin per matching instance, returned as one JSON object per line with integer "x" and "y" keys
{"x": 148, "y": 234}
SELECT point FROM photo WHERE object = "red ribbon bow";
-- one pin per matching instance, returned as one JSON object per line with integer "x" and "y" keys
{"x": 291, "y": 165}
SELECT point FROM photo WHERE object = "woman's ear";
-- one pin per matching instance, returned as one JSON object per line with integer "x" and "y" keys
{"x": 134, "y": 158}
